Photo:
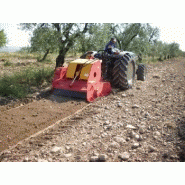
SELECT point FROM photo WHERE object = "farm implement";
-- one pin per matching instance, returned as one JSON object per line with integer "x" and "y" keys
{"x": 95, "y": 73}
{"x": 81, "y": 79}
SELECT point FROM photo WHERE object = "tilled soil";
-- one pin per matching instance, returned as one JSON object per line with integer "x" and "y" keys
{"x": 20, "y": 122}
{"x": 142, "y": 124}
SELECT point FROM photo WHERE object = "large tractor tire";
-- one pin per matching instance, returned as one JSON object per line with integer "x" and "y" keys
{"x": 123, "y": 73}
{"x": 107, "y": 66}
{"x": 141, "y": 72}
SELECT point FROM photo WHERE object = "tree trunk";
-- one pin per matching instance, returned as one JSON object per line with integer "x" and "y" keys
{"x": 67, "y": 43}
{"x": 45, "y": 55}
{"x": 130, "y": 40}
{"x": 60, "y": 59}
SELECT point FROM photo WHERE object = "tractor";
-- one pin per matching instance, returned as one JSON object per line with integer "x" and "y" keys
{"x": 119, "y": 68}
{"x": 95, "y": 73}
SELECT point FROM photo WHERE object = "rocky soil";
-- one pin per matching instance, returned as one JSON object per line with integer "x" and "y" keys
{"x": 143, "y": 124}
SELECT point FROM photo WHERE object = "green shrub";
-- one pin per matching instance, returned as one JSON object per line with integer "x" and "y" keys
{"x": 7, "y": 63}
{"x": 19, "y": 84}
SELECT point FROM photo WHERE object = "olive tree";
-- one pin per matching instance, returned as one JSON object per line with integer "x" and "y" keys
{"x": 44, "y": 39}
{"x": 3, "y": 39}
{"x": 65, "y": 33}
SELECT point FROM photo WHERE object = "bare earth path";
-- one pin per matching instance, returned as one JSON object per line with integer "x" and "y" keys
{"x": 145, "y": 123}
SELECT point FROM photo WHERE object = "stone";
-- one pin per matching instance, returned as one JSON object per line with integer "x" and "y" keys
{"x": 114, "y": 145}
{"x": 120, "y": 140}
{"x": 151, "y": 148}
{"x": 130, "y": 127}
{"x": 78, "y": 157}
{"x": 108, "y": 127}
{"x": 120, "y": 105}
{"x": 135, "y": 106}
{"x": 175, "y": 156}
{"x": 42, "y": 160}
{"x": 124, "y": 156}
{"x": 165, "y": 155}
{"x": 156, "y": 137}
{"x": 128, "y": 139}
{"x": 123, "y": 95}
{"x": 26, "y": 159}
{"x": 95, "y": 153}
{"x": 102, "y": 157}
{"x": 84, "y": 143}
{"x": 106, "y": 107}
{"x": 104, "y": 135}
{"x": 106, "y": 122}
{"x": 119, "y": 125}
{"x": 140, "y": 138}
{"x": 132, "y": 134}
{"x": 109, "y": 150}
{"x": 136, "y": 136}
{"x": 56, "y": 149}
{"x": 157, "y": 133}
{"x": 67, "y": 147}
{"x": 135, "y": 145}
{"x": 142, "y": 130}
{"x": 156, "y": 76}
{"x": 67, "y": 155}
{"x": 93, "y": 159}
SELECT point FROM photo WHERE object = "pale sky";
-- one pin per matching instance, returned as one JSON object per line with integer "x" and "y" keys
{"x": 168, "y": 33}
{"x": 16, "y": 37}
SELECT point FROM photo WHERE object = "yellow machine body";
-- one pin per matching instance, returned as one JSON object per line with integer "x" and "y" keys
{"x": 84, "y": 74}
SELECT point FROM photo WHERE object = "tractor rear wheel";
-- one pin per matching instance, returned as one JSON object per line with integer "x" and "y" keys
{"x": 123, "y": 73}
{"x": 141, "y": 72}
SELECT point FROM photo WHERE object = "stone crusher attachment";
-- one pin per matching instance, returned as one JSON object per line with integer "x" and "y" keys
{"x": 81, "y": 79}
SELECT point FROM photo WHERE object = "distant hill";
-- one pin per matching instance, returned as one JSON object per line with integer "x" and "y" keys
{"x": 10, "y": 49}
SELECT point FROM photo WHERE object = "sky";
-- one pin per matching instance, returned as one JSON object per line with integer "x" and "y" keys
{"x": 15, "y": 36}
{"x": 173, "y": 32}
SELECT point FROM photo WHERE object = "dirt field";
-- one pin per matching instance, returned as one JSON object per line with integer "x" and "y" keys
{"x": 143, "y": 124}
{"x": 23, "y": 121}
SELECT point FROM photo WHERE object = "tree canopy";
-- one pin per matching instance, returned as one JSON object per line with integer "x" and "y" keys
{"x": 64, "y": 36}
{"x": 3, "y": 39}
{"x": 140, "y": 38}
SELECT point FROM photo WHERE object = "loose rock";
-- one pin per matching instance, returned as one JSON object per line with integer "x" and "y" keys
{"x": 123, "y": 95}
{"x": 156, "y": 76}
{"x": 26, "y": 159}
{"x": 135, "y": 106}
{"x": 120, "y": 105}
{"x": 94, "y": 159}
{"x": 124, "y": 156}
{"x": 151, "y": 148}
{"x": 114, "y": 145}
{"x": 57, "y": 149}
{"x": 120, "y": 140}
{"x": 157, "y": 133}
{"x": 42, "y": 160}
{"x": 67, "y": 155}
{"x": 141, "y": 130}
{"x": 131, "y": 127}
{"x": 102, "y": 157}
{"x": 135, "y": 145}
